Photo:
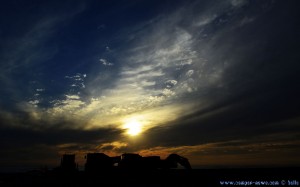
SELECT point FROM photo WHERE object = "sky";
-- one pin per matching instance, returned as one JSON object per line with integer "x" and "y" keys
{"x": 214, "y": 81}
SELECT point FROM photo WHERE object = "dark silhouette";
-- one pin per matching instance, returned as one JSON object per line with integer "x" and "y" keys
{"x": 130, "y": 161}
{"x": 173, "y": 159}
{"x": 135, "y": 161}
{"x": 67, "y": 163}
{"x": 101, "y": 162}
{"x": 131, "y": 169}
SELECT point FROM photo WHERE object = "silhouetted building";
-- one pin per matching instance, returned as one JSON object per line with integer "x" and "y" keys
{"x": 68, "y": 162}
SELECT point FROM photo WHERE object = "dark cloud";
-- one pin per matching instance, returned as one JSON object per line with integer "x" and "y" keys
{"x": 258, "y": 87}
{"x": 23, "y": 147}
{"x": 23, "y": 137}
{"x": 254, "y": 117}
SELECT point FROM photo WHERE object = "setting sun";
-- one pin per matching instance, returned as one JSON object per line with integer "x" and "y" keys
{"x": 133, "y": 127}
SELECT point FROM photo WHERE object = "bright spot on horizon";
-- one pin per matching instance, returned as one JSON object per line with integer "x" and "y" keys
{"x": 133, "y": 127}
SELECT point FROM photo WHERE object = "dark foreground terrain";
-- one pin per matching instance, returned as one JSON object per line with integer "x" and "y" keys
{"x": 176, "y": 177}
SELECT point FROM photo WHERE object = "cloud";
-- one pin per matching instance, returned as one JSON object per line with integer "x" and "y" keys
{"x": 243, "y": 121}
{"x": 238, "y": 153}
{"x": 238, "y": 3}
{"x": 167, "y": 63}
{"x": 189, "y": 73}
{"x": 27, "y": 49}
{"x": 205, "y": 20}
{"x": 105, "y": 62}
{"x": 170, "y": 83}
{"x": 143, "y": 78}
{"x": 177, "y": 66}
{"x": 28, "y": 147}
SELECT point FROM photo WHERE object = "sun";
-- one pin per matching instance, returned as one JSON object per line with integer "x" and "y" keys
{"x": 133, "y": 127}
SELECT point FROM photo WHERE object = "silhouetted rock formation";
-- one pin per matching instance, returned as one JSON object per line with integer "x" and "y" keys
{"x": 173, "y": 159}
{"x": 97, "y": 162}
{"x": 67, "y": 163}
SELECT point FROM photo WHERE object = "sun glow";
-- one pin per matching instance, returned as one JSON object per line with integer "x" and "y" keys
{"x": 133, "y": 127}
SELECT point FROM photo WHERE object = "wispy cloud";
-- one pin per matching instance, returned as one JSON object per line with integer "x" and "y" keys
{"x": 28, "y": 50}
{"x": 164, "y": 65}
{"x": 105, "y": 62}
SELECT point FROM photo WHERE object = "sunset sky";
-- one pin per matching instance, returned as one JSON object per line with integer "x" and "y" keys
{"x": 217, "y": 82}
